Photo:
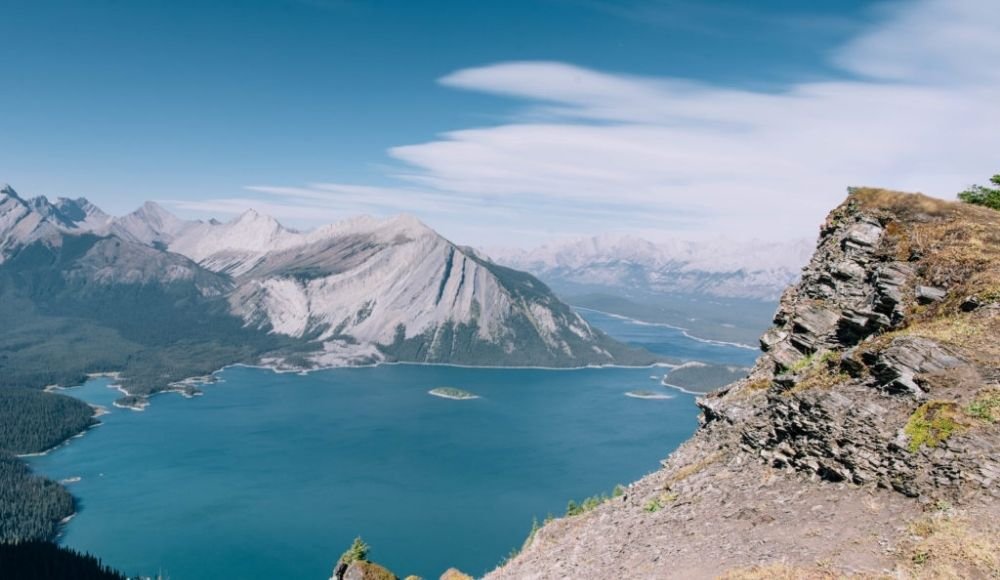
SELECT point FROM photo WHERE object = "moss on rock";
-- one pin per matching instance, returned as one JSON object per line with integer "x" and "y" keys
{"x": 932, "y": 423}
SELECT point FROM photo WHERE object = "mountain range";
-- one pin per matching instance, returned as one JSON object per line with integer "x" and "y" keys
{"x": 161, "y": 299}
{"x": 721, "y": 268}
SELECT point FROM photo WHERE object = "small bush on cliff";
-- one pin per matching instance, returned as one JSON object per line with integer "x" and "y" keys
{"x": 575, "y": 509}
{"x": 358, "y": 551}
{"x": 981, "y": 195}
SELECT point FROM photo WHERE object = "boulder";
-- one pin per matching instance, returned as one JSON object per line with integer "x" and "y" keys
{"x": 896, "y": 367}
{"x": 863, "y": 234}
{"x": 364, "y": 570}
{"x": 928, "y": 294}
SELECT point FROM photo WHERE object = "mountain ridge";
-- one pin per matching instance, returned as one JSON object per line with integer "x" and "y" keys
{"x": 723, "y": 268}
{"x": 357, "y": 292}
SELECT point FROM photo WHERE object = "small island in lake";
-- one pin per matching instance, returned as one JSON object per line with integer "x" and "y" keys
{"x": 452, "y": 393}
{"x": 648, "y": 395}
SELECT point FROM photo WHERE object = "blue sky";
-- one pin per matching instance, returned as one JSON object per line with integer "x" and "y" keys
{"x": 499, "y": 122}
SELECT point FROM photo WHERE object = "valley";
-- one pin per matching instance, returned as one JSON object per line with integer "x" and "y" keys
{"x": 319, "y": 456}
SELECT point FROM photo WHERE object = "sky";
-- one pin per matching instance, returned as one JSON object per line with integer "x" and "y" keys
{"x": 507, "y": 122}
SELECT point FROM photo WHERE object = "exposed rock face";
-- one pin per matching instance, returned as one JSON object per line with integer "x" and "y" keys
{"x": 842, "y": 382}
{"x": 876, "y": 397}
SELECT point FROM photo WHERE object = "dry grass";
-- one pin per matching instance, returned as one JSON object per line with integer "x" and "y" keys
{"x": 760, "y": 384}
{"x": 974, "y": 333}
{"x": 692, "y": 468}
{"x": 948, "y": 547}
{"x": 954, "y": 245}
{"x": 783, "y": 571}
{"x": 940, "y": 546}
{"x": 986, "y": 406}
{"x": 820, "y": 371}
{"x": 914, "y": 207}
{"x": 820, "y": 379}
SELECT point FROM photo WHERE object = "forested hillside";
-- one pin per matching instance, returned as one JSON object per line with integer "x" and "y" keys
{"x": 32, "y": 506}
{"x": 32, "y": 421}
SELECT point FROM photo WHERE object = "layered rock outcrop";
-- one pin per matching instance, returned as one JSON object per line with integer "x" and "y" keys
{"x": 874, "y": 405}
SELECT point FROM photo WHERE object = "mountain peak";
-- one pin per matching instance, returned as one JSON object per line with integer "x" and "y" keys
{"x": 8, "y": 191}
{"x": 149, "y": 224}
{"x": 158, "y": 217}
{"x": 152, "y": 208}
{"x": 253, "y": 216}
{"x": 408, "y": 224}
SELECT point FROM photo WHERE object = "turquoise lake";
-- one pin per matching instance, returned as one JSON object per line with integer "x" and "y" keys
{"x": 272, "y": 475}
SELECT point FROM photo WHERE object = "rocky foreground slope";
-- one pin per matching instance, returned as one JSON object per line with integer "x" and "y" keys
{"x": 866, "y": 440}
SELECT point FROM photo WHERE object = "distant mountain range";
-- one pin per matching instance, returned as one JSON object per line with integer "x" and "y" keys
{"x": 170, "y": 298}
{"x": 751, "y": 269}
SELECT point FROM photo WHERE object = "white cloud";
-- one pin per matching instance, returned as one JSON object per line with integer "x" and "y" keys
{"x": 592, "y": 151}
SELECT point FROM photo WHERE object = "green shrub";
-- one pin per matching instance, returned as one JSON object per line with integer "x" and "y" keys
{"x": 980, "y": 195}
{"x": 358, "y": 551}
{"x": 653, "y": 505}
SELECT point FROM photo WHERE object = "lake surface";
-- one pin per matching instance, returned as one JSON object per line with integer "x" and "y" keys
{"x": 671, "y": 341}
{"x": 272, "y": 475}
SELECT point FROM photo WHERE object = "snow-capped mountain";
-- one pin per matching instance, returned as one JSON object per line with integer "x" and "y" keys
{"x": 393, "y": 283}
{"x": 361, "y": 290}
{"x": 725, "y": 268}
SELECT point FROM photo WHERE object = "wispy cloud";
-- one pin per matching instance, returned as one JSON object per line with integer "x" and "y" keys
{"x": 593, "y": 151}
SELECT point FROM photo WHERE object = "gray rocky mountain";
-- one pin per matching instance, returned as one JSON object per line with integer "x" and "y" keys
{"x": 251, "y": 290}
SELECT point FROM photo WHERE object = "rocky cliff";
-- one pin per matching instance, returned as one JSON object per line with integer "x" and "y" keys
{"x": 866, "y": 439}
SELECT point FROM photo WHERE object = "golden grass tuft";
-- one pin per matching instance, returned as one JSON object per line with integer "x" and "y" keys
{"x": 693, "y": 468}
{"x": 973, "y": 333}
{"x": 947, "y": 547}
{"x": 782, "y": 571}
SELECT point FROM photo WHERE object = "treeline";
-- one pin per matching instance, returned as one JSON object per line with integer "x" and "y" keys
{"x": 43, "y": 560}
{"x": 32, "y": 421}
{"x": 31, "y": 506}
